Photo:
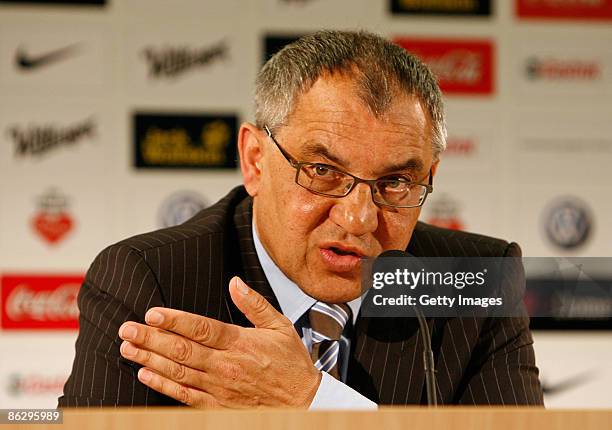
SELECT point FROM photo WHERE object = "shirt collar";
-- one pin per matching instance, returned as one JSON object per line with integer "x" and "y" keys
{"x": 293, "y": 301}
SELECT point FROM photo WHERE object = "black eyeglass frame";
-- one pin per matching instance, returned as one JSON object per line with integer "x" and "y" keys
{"x": 297, "y": 165}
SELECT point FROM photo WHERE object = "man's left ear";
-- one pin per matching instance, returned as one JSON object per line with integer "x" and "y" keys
{"x": 434, "y": 167}
{"x": 251, "y": 157}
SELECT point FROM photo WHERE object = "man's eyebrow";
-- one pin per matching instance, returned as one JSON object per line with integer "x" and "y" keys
{"x": 314, "y": 149}
{"x": 413, "y": 164}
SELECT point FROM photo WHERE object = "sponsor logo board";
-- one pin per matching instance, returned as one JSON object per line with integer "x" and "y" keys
{"x": 462, "y": 67}
{"x": 34, "y": 366}
{"x": 53, "y": 59}
{"x": 179, "y": 207}
{"x": 552, "y": 68}
{"x": 40, "y": 301}
{"x": 171, "y": 62}
{"x": 565, "y": 9}
{"x": 568, "y": 223}
{"x": 202, "y": 62}
{"x": 28, "y": 62}
{"x": 52, "y": 221}
{"x": 35, "y": 384}
{"x": 37, "y": 140}
{"x": 184, "y": 141}
{"x": 441, "y": 7}
{"x": 573, "y": 294}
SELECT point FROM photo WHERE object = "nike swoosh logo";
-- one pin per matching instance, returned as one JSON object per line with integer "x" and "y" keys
{"x": 29, "y": 62}
{"x": 567, "y": 383}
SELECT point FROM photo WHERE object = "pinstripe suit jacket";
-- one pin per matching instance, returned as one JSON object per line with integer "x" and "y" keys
{"x": 188, "y": 267}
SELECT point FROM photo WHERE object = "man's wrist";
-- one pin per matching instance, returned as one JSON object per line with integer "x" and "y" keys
{"x": 314, "y": 388}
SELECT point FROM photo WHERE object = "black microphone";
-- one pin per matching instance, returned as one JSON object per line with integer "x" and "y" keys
{"x": 428, "y": 357}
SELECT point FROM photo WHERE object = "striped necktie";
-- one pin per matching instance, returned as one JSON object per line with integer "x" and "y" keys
{"x": 327, "y": 323}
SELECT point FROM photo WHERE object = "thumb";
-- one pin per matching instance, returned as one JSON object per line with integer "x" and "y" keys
{"x": 255, "y": 307}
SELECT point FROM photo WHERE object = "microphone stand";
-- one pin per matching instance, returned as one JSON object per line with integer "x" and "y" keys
{"x": 428, "y": 359}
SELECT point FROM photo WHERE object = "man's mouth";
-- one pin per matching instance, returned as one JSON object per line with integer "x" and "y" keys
{"x": 342, "y": 251}
{"x": 340, "y": 258}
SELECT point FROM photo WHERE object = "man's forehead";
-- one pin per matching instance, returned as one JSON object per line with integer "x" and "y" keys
{"x": 402, "y": 118}
{"x": 332, "y": 121}
{"x": 337, "y": 95}
{"x": 331, "y": 127}
{"x": 392, "y": 122}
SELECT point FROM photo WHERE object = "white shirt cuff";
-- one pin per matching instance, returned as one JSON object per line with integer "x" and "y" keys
{"x": 334, "y": 394}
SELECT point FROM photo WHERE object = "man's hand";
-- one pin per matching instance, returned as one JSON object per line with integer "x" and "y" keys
{"x": 205, "y": 363}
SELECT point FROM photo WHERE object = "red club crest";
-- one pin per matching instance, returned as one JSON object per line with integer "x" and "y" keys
{"x": 52, "y": 222}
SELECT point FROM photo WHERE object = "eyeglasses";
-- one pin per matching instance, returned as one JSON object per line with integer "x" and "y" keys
{"x": 324, "y": 180}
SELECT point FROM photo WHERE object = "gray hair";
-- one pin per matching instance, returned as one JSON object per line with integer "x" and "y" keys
{"x": 381, "y": 70}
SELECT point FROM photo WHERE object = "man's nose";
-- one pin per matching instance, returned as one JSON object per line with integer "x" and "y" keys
{"x": 356, "y": 213}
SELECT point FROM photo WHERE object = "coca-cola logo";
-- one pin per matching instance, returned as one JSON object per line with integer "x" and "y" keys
{"x": 461, "y": 66}
{"x": 55, "y": 305}
{"x": 40, "y": 302}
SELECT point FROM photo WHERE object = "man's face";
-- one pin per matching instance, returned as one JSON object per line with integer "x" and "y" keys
{"x": 318, "y": 241}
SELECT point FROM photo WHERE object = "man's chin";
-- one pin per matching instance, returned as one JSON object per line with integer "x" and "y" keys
{"x": 336, "y": 290}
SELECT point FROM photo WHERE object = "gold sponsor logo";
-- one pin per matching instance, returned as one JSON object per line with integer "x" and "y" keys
{"x": 440, "y": 5}
{"x": 174, "y": 146}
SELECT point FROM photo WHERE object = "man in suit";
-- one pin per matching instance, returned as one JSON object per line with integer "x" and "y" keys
{"x": 256, "y": 300}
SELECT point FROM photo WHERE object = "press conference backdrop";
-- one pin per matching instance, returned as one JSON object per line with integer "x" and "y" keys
{"x": 120, "y": 116}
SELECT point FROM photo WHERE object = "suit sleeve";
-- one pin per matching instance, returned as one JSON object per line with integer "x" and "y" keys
{"x": 503, "y": 370}
{"x": 119, "y": 286}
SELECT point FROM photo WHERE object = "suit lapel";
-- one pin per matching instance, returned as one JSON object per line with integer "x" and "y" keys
{"x": 244, "y": 261}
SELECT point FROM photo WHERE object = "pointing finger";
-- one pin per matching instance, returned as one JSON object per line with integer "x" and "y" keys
{"x": 255, "y": 307}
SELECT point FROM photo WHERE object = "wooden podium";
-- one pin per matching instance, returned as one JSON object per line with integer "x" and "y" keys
{"x": 413, "y": 418}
